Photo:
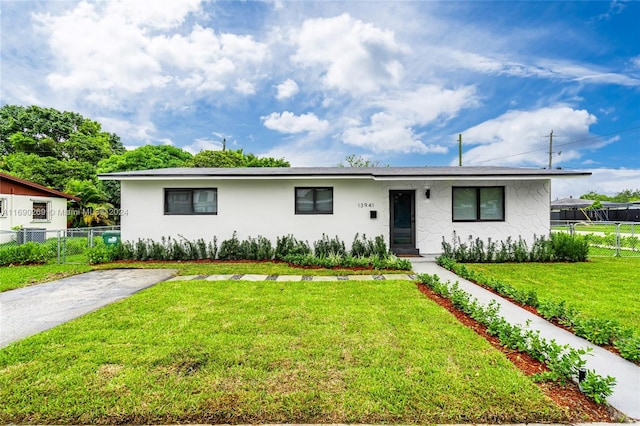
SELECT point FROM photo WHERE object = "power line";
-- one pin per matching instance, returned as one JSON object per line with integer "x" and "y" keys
{"x": 558, "y": 145}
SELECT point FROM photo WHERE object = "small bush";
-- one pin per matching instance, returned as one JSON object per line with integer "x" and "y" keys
{"x": 288, "y": 245}
{"x": 28, "y": 253}
{"x": 326, "y": 246}
{"x": 559, "y": 247}
{"x": 230, "y": 249}
{"x": 570, "y": 248}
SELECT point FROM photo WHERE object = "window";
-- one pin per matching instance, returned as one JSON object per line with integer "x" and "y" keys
{"x": 191, "y": 201}
{"x": 314, "y": 200}
{"x": 471, "y": 204}
{"x": 3, "y": 207}
{"x": 40, "y": 211}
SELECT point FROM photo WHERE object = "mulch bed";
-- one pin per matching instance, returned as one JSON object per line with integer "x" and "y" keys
{"x": 578, "y": 407}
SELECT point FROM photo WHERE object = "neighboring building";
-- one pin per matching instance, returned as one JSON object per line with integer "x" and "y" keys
{"x": 578, "y": 209}
{"x": 413, "y": 208}
{"x": 27, "y": 205}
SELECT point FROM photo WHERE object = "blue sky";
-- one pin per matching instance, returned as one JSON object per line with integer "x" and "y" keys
{"x": 314, "y": 81}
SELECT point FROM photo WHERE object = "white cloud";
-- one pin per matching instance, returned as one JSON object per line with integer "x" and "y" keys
{"x": 162, "y": 14}
{"x": 107, "y": 52}
{"x": 127, "y": 130}
{"x": 520, "y": 137}
{"x": 287, "y": 89}
{"x": 203, "y": 144}
{"x": 428, "y": 103}
{"x": 388, "y": 134}
{"x": 288, "y": 122}
{"x": 603, "y": 181}
{"x": 392, "y": 129}
{"x": 245, "y": 87}
{"x": 353, "y": 56}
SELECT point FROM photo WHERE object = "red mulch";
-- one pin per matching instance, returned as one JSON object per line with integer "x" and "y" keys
{"x": 578, "y": 406}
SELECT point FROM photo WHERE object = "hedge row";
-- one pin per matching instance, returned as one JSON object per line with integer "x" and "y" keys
{"x": 558, "y": 247}
{"x": 326, "y": 252}
{"x": 596, "y": 330}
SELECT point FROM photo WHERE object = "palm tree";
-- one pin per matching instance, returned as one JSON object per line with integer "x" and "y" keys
{"x": 93, "y": 208}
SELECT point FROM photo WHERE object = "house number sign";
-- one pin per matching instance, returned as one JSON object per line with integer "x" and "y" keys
{"x": 365, "y": 205}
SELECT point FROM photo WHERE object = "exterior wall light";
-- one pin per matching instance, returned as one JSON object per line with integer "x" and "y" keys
{"x": 427, "y": 193}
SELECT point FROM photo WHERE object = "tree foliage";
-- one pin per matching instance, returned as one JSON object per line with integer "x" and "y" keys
{"x": 47, "y": 132}
{"x": 143, "y": 158}
{"x": 93, "y": 208}
{"x": 231, "y": 158}
{"x": 47, "y": 171}
{"x": 353, "y": 160}
{"x": 624, "y": 196}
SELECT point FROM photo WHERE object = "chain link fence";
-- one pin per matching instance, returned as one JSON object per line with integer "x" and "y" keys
{"x": 63, "y": 245}
{"x": 605, "y": 238}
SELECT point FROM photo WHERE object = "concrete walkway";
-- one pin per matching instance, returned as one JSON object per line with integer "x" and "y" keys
{"x": 282, "y": 278}
{"x": 626, "y": 395}
{"x": 29, "y": 310}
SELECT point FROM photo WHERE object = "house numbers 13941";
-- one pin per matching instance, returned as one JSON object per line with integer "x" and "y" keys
{"x": 365, "y": 205}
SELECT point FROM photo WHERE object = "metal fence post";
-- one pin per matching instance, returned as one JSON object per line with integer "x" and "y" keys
{"x": 617, "y": 240}
{"x": 58, "y": 232}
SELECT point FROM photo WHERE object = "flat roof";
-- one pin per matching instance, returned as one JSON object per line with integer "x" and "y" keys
{"x": 375, "y": 173}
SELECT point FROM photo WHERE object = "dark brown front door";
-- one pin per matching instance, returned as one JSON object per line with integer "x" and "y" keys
{"x": 402, "y": 206}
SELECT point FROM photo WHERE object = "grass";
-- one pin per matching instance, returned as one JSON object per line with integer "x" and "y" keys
{"x": 625, "y": 228}
{"x": 267, "y": 352}
{"x": 602, "y": 288}
{"x": 13, "y": 277}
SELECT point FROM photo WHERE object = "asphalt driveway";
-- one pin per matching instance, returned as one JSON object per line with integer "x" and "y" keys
{"x": 30, "y": 310}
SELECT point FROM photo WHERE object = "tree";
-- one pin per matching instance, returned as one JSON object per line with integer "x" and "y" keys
{"x": 624, "y": 196}
{"x": 231, "y": 158}
{"x": 353, "y": 160}
{"x": 47, "y": 171}
{"x": 51, "y": 133}
{"x": 144, "y": 158}
{"x": 93, "y": 207}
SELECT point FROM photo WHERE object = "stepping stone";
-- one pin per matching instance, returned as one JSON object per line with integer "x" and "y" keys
{"x": 184, "y": 278}
{"x": 252, "y": 277}
{"x": 324, "y": 278}
{"x": 397, "y": 277}
{"x": 219, "y": 277}
{"x": 289, "y": 278}
{"x": 360, "y": 277}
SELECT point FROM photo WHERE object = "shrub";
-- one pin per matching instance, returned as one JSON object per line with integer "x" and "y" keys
{"x": 563, "y": 361}
{"x": 288, "y": 245}
{"x": 326, "y": 246}
{"x": 28, "y": 253}
{"x": 230, "y": 249}
{"x": 570, "y": 248}
{"x": 559, "y": 247}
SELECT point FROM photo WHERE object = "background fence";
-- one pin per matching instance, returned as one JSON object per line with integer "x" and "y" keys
{"x": 64, "y": 245}
{"x": 605, "y": 238}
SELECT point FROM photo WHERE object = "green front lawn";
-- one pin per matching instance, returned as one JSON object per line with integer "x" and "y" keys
{"x": 12, "y": 277}
{"x": 602, "y": 288}
{"x": 266, "y": 352}
{"x": 21, "y": 276}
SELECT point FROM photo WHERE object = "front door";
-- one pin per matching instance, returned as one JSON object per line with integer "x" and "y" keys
{"x": 402, "y": 206}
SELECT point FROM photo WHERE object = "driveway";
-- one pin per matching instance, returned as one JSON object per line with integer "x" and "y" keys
{"x": 30, "y": 310}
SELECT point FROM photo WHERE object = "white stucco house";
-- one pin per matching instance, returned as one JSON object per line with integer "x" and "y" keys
{"x": 412, "y": 207}
{"x": 27, "y": 205}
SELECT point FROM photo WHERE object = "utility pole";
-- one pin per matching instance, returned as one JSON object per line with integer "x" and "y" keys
{"x": 550, "y": 148}
{"x": 224, "y": 144}
{"x": 460, "y": 149}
